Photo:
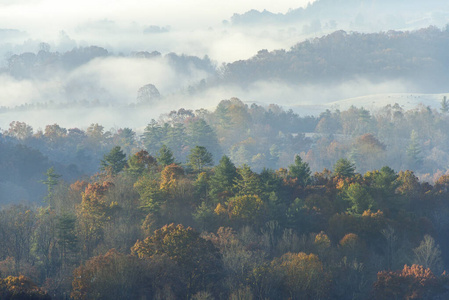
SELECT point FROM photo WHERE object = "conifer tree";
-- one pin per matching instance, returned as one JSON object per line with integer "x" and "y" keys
{"x": 199, "y": 157}
{"x": 114, "y": 161}
{"x": 300, "y": 170}
{"x": 223, "y": 179}
{"x": 343, "y": 167}
{"x": 165, "y": 157}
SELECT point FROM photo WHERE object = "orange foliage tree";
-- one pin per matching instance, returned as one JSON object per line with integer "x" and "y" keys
{"x": 413, "y": 282}
{"x": 198, "y": 260}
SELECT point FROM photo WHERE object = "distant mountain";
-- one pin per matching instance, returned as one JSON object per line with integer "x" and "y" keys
{"x": 361, "y": 15}
{"x": 418, "y": 56}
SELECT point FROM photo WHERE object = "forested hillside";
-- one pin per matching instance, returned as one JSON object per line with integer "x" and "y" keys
{"x": 261, "y": 137}
{"x": 415, "y": 56}
{"x": 147, "y": 227}
{"x": 372, "y": 15}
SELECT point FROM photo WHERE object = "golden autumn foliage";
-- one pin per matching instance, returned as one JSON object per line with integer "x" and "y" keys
{"x": 198, "y": 260}
{"x": 93, "y": 213}
{"x": 170, "y": 175}
{"x": 20, "y": 287}
{"x": 303, "y": 276}
{"x": 110, "y": 276}
{"x": 246, "y": 208}
{"x": 415, "y": 282}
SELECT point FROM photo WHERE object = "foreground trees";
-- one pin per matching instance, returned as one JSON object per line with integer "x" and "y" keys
{"x": 274, "y": 234}
{"x": 197, "y": 260}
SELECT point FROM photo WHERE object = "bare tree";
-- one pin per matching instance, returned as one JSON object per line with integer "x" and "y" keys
{"x": 428, "y": 254}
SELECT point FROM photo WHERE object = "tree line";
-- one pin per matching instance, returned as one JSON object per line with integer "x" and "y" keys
{"x": 261, "y": 137}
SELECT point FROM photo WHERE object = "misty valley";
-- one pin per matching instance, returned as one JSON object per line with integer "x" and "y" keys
{"x": 198, "y": 150}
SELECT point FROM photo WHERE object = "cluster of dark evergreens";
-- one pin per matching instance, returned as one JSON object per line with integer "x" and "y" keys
{"x": 148, "y": 228}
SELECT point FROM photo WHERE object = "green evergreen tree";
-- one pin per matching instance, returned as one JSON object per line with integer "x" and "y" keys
{"x": 66, "y": 235}
{"x": 114, "y": 161}
{"x": 345, "y": 168}
{"x": 414, "y": 151}
{"x": 199, "y": 157}
{"x": 223, "y": 179}
{"x": 359, "y": 198}
{"x": 165, "y": 157}
{"x": 248, "y": 182}
{"x": 153, "y": 137}
{"x": 51, "y": 181}
{"x": 176, "y": 139}
{"x": 300, "y": 170}
{"x": 199, "y": 133}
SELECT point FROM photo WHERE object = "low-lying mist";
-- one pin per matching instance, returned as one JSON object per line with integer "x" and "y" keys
{"x": 113, "y": 100}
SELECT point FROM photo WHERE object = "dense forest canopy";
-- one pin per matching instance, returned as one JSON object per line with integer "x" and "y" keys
{"x": 159, "y": 175}
{"x": 259, "y": 136}
{"x": 150, "y": 227}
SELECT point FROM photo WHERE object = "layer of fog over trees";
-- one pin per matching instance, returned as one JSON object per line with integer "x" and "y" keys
{"x": 304, "y": 151}
{"x": 104, "y": 62}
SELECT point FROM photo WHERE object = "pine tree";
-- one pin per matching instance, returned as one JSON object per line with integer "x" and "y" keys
{"x": 248, "y": 182}
{"x": 165, "y": 157}
{"x": 300, "y": 170}
{"x": 223, "y": 179}
{"x": 51, "y": 181}
{"x": 345, "y": 168}
{"x": 199, "y": 157}
{"x": 114, "y": 161}
{"x": 414, "y": 151}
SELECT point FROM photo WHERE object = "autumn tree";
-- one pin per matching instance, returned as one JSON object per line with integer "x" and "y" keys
{"x": 139, "y": 162}
{"x": 246, "y": 209}
{"x": 415, "y": 282}
{"x": 370, "y": 152}
{"x": 303, "y": 276}
{"x": 54, "y": 133}
{"x": 109, "y": 276}
{"x": 20, "y": 130}
{"x": 93, "y": 214}
{"x": 21, "y": 288}
{"x": 198, "y": 260}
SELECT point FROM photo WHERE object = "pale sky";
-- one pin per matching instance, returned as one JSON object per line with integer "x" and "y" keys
{"x": 30, "y": 15}
{"x": 196, "y": 26}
